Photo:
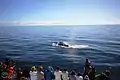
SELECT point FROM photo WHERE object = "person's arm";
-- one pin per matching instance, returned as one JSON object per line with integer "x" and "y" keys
{"x": 54, "y": 75}
{"x": 61, "y": 77}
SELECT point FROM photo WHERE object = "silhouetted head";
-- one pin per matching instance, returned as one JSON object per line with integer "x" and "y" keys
{"x": 87, "y": 60}
{"x": 57, "y": 68}
{"x": 64, "y": 69}
{"x": 73, "y": 73}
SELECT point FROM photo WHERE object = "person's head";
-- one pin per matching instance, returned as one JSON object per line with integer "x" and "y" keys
{"x": 72, "y": 72}
{"x": 40, "y": 68}
{"x": 33, "y": 68}
{"x": 50, "y": 68}
{"x": 87, "y": 60}
{"x": 57, "y": 68}
{"x": 64, "y": 70}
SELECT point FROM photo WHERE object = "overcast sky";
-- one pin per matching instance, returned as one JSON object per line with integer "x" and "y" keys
{"x": 65, "y": 12}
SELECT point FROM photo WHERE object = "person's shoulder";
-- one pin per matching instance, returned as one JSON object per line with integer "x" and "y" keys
{"x": 67, "y": 72}
{"x": 81, "y": 78}
{"x": 60, "y": 71}
{"x": 42, "y": 72}
{"x": 35, "y": 71}
{"x": 31, "y": 72}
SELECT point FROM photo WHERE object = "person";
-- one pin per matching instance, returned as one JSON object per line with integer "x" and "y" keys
{"x": 87, "y": 62}
{"x": 72, "y": 76}
{"x": 79, "y": 76}
{"x": 49, "y": 75}
{"x": 65, "y": 74}
{"x": 87, "y": 69}
{"x": 33, "y": 73}
{"x": 86, "y": 77}
{"x": 57, "y": 74}
{"x": 40, "y": 73}
{"x": 11, "y": 72}
{"x": 105, "y": 75}
{"x": 19, "y": 74}
{"x": 7, "y": 61}
{"x": 91, "y": 73}
{"x": 25, "y": 73}
{"x": 4, "y": 76}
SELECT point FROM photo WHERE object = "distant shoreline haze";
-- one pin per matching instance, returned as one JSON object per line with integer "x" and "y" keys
{"x": 64, "y": 25}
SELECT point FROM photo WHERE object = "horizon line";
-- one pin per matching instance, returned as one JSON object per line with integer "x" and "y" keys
{"x": 52, "y": 23}
{"x": 67, "y": 25}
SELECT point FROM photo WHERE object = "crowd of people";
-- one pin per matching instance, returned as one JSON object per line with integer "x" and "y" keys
{"x": 8, "y": 71}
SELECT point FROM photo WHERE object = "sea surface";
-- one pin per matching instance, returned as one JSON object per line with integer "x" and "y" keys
{"x": 32, "y": 45}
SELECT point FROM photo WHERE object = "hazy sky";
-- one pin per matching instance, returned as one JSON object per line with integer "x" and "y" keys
{"x": 40, "y": 12}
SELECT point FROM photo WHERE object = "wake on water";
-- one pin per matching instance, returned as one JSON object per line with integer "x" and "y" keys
{"x": 74, "y": 46}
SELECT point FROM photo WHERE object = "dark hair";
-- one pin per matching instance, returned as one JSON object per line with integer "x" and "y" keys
{"x": 64, "y": 69}
{"x": 87, "y": 59}
{"x": 73, "y": 73}
{"x": 57, "y": 68}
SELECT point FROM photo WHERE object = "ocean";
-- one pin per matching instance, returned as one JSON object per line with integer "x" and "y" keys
{"x": 32, "y": 45}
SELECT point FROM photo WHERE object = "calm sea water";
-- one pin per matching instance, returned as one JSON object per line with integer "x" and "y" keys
{"x": 33, "y": 45}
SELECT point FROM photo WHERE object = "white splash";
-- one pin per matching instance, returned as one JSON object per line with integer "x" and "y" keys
{"x": 71, "y": 45}
{"x": 78, "y": 46}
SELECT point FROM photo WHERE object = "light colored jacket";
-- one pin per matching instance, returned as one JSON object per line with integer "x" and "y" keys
{"x": 40, "y": 76}
{"x": 33, "y": 75}
{"x": 65, "y": 75}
